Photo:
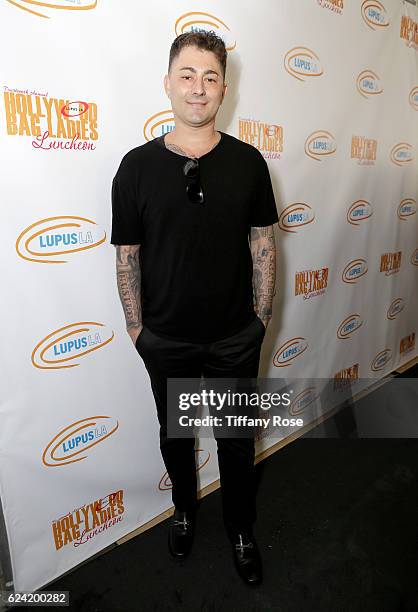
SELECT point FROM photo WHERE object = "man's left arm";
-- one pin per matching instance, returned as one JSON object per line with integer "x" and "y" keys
{"x": 263, "y": 252}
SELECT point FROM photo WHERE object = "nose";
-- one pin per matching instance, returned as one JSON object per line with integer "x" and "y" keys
{"x": 198, "y": 88}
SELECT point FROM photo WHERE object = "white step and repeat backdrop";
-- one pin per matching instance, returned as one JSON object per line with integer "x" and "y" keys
{"x": 327, "y": 90}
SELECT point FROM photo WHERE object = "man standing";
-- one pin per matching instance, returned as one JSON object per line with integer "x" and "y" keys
{"x": 192, "y": 223}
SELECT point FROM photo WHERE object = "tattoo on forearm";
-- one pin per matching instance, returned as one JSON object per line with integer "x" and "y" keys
{"x": 128, "y": 276}
{"x": 263, "y": 251}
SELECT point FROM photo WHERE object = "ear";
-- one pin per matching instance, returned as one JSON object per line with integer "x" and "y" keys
{"x": 167, "y": 85}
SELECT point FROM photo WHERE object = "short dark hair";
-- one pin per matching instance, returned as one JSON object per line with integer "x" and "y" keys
{"x": 202, "y": 39}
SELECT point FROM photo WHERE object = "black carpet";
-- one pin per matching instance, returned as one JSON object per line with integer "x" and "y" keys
{"x": 337, "y": 529}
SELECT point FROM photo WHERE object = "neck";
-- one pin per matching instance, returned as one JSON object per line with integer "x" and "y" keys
{"x": 191, "y": 138}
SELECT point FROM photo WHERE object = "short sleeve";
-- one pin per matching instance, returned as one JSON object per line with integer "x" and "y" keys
{"x": 264, "y": 211}
{"x": 126, "y": 227}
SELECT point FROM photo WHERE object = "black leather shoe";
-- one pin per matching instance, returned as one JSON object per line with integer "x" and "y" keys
{"x": 180, "y": 534}
{"x": 247, "y": 559}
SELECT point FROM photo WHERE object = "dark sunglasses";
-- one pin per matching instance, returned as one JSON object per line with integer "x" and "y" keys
{"x": 194, "y": 189}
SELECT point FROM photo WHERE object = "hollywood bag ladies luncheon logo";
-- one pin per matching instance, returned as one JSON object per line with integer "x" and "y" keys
{"x": 66, "y": 346}
{"x": 53, "y": 239}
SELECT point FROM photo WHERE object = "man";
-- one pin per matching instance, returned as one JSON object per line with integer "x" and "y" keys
{"x": 192, "y": 220}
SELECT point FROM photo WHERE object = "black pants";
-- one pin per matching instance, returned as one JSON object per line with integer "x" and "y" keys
{"x": 237, "y": 356}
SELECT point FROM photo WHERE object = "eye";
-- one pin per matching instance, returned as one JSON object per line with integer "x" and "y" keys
{"x": 186, "y": 77}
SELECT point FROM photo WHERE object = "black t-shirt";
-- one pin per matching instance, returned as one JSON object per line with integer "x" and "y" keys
{"x": 195, "y": 259}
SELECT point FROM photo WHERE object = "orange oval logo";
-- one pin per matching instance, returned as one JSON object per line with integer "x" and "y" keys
{"x": 301, "y": 63}
{"x": 414, "y": 258}
{"x": 46, "y": 240}
{"x": 296, "y": 215}
{"x": 289, "y": 351}
{"x": 302, "y": 400}
{"x": 402, "y": 153}
{"x": 395, "y": 308}
{"x": 374, "y": 14}
{"x": 74, "y": 109}
{"x": 360, "y": 210}
{"x": 413, "y": 98}
{"x": 320, "y": 144}
{"x": 159, "y": 124}
{"x": 72, "y": 443}
{"x": 63, "y": 346}
{"x": 354, "y": 270}
{"x": 347, "y": 327}
{"x": 407, "y": 208}
{"x": 80, "y": 5}
{"x": 368, "y": 84}
{"x": 197, "y": 20}
{"x": 202, "y": 457}
{"x": 381, "y": 359}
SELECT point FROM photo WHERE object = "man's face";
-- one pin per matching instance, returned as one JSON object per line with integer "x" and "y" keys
{"x": 195, "y": 86}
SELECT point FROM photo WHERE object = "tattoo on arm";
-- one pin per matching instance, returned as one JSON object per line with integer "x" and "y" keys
{"x": 128, "y": 276}
{"x": 263, "y": 251}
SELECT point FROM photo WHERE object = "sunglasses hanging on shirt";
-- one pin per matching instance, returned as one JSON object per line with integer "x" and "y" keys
{"x": 192, "y": 173}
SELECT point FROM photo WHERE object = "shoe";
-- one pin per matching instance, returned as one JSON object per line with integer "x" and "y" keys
{"x": 180, "y": 534}
{"x": 247, "y": 559}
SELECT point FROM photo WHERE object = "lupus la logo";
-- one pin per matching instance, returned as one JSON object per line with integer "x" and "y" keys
{"x": 201, "y": 457}
{"x": 320, "y": 145}
{"x": 374, "y": 14}
{"x": 355, "y": 269}
{"x": 196, "y": 21}
{"x": 409, "y": 31}
{"x": 311, "y": 283}
{"x": 407, "y": 344}
{"x": 336, "y": 6}
{"x": 368, "y": 84}
{"x": 346, "y": 376}
{"x": 407, "y": 208}
{"x": 46, "y": 7}
{"x": 72, "y": 342}
{"x": 289, "y": 351}
{"x": 360, "y": 210}
{"x": 347, "y": 327}
{"x": 302, "y": 400}
{"x": 159, "y": 124}
{"x": 266, "y": 137}
{"x": 83, "y": 524}
{"x": 390, "y": 263}
{"x": 395, "y": 308}
{"x": 45, "y": 241}
{"x": 364, "y": 150}
{"x": 72, "y": 443}
{"x": 380, "y": 360}
{"x": 295, "y": 216}
{"x": 54, "y": 123}
{"x": 402, "y": 153}
{"x": 301, "y": 63}
{"x": 414, "y": 258}
{"x": 413, "y": 98}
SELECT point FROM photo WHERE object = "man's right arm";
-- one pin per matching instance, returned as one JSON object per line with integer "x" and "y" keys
{"x": 128, "y": 276}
